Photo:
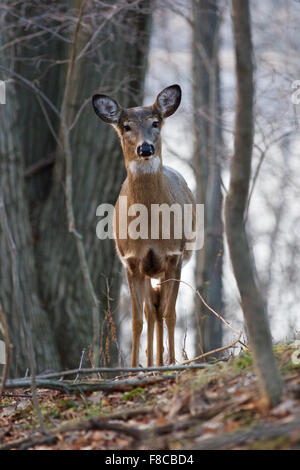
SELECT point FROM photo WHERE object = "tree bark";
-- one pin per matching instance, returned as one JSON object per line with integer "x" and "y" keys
{"x": 206, "y": 90}
{"x": 98, "y": 172}
{"x": 114, "y": 62}
{"x": 12, "y": 190}
{"x": 251, "y": 298}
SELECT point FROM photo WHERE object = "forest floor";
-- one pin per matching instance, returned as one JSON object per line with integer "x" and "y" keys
{"x": 217, "y": 407}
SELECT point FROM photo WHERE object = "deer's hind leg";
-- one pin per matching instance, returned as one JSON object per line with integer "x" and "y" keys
{"x": 150, "y": 314}
{"x": 159, "y": 326}
{"x": 168, "y": 297}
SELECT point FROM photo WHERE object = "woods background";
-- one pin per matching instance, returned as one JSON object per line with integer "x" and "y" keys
{"x": 57, "y": 164}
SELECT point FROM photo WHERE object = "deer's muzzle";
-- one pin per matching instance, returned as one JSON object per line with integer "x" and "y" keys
{"x": 145, "y": 150}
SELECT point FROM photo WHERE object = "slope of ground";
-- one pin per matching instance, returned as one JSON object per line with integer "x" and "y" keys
{"x": 217, "y": 407}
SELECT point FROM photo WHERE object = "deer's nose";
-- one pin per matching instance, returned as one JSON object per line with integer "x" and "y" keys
{"x": 145, "y": 150}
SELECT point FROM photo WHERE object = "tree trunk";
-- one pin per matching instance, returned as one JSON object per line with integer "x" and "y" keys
{"x": 208, "y": 134}
{"x": 114, "y": 62}
{"x": 12, "y": 190}
{"x": 251, "y": 299}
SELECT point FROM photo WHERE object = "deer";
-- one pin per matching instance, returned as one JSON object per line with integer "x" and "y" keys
{"x": 149, "y": 182}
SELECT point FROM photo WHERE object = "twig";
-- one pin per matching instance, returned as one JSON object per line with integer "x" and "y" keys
{"x": 211, "y": 309}
{"x": 48, "y": 121}
{"x": 7, "y": 349}
{"x": 20, "y": 39}
{"x": 32, "y": 87}
{"x": 80, "y": 364}
{"x": 78, "y": 114}
{"x": 257, "y": 171}
{"x": 209, "y": 353}
{"x": 38, "y": 166}
{"x": 33, "y": 23}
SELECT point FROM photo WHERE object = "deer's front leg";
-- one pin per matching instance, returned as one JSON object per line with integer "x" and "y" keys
{"x": 150, "y": 317}
{"x": 169, "y": 292}
{"x": 137, "y": 291}
{"x": 159, "y": 338}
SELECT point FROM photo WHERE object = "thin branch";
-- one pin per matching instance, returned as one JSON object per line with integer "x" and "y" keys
{"x": 78, "y": 114}
{"x": 261, "y": 160}
{"x": 32, "y": 87}
{"x": 48, "y": 120}
{"x": 210, "y": 308}
{"x": 21, "y": 39}
{"x": 80, "y": 364}
{"x": 37, "y": 25}
{"x": 87, "y": 45}
{"x": 209, "y": 353}
{"x": 38, "y": 166}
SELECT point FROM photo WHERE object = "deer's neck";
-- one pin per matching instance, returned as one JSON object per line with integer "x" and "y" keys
{"x": 145, "y": 185}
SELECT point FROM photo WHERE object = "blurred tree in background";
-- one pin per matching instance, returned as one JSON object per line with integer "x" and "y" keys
{"x": 207, "y": 165}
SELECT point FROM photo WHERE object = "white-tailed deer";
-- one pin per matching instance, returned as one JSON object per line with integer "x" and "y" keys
{"x": 149, "y": 183}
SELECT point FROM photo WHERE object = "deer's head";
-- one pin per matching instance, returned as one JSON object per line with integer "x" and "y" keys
{"x": 139, "y": 128}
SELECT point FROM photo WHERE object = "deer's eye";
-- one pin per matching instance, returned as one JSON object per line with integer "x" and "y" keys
{"x": 127, "y": 128}
{"x": 155, "y": 124}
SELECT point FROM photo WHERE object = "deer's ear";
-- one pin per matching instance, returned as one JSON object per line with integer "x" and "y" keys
{"x": 106, "y": 108}
{"x": 168, "y": 100}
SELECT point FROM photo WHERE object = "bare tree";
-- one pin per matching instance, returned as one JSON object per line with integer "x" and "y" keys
{"x": 206, "y": 90}
{"x": 252, "y": 301}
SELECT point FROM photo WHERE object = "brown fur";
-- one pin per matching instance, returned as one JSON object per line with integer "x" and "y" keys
{"x": 147, "y": 258}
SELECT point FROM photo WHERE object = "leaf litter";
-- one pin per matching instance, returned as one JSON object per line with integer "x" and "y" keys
{"x": 217, "y": 407}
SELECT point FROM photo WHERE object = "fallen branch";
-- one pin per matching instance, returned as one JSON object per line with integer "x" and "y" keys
{"x": 25, "y": 443}
{"x": 76, "y": 425}
{"x": 237, "y": 438}
{"x": 95, "y": 370}
{"x": 103, "y": 385}
{"x": 104, "y": 423}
